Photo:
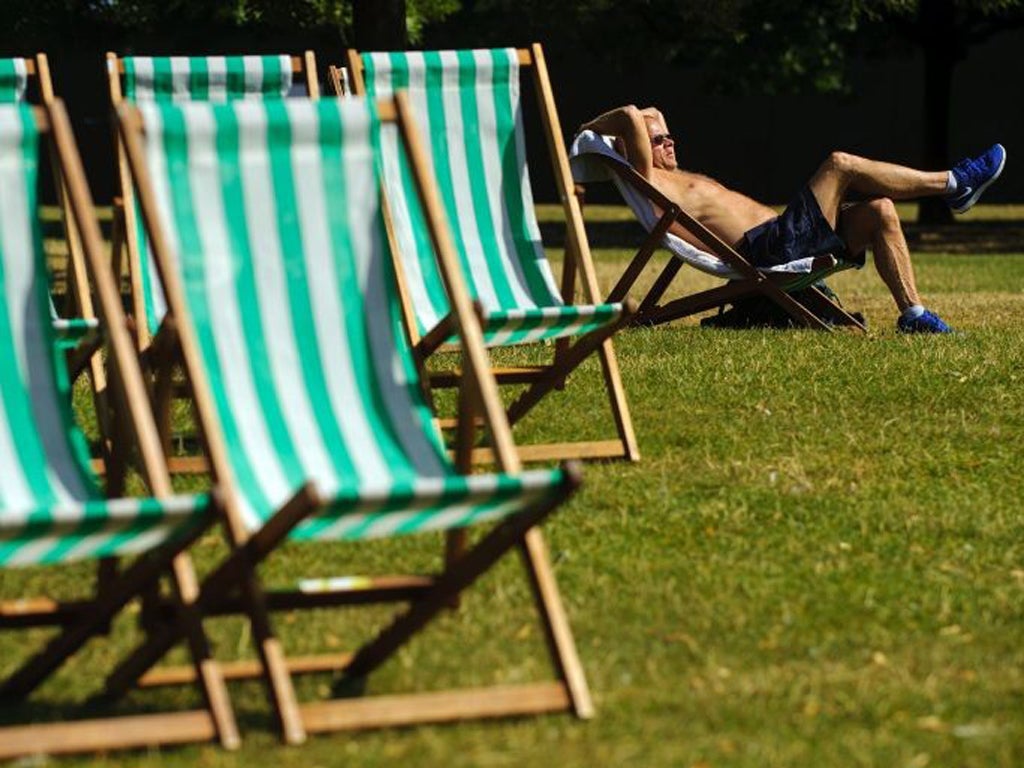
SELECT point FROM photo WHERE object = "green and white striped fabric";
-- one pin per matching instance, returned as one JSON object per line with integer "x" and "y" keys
{"x": 199, "y": 78}
{"x": 50, "y": 507}
{"x": 467, "y": 106}
{"x": 13, "y": 80}
{"x": 273, "y": 217}
{"x": 206, "y": 78}
{"x": 70, "y": 333}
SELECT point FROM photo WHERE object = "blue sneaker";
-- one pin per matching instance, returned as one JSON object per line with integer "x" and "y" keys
{"x": 929, "y": 322}
{"x": 973, "y": 175}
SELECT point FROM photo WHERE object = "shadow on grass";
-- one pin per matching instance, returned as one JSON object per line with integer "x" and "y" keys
{"x": 182, "y": 699}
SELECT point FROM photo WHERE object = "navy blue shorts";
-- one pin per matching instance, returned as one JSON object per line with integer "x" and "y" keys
{"x": 801, "y": 231}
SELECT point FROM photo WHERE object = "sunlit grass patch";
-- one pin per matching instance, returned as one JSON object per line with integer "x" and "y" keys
{"x": 818, "y": 562}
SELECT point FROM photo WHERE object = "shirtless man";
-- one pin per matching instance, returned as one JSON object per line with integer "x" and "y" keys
{"x": 818, "y": 221}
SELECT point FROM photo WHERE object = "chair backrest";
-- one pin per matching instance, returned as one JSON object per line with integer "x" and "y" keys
{"x": 467, "y": 104}
{"x": 180, "y": 79}
{"x": 206, "y": 78}
{"x": 14, "y": 78}
{"x": 51, "y": 509}
{"x": 41, "y": 454}
{"x": 277, "y": 253}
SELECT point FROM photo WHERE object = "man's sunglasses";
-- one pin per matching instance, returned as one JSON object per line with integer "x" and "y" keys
{"x": 661, "y": 138}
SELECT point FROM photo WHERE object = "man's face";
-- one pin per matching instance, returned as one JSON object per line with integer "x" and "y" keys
{"x": 663, "y": 146}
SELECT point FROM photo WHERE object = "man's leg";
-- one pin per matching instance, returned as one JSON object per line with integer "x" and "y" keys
{"x": 876, "y": 225}
{"x": 843, "y": 172}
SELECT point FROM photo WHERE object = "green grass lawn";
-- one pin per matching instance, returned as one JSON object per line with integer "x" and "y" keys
{"x": 818, "y": 562}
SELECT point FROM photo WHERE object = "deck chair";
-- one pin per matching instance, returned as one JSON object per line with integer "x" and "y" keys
{"x": 52, "y": 511}
{"x": 265, "y": 220}
{"x": 76, "y": 328}
{"x": 467, "y": 104}
{"x": 140, "y": 79}
{"x": 593, "y": 158}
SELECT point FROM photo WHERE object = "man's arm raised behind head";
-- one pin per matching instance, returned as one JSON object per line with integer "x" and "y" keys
{"x": 627, "y": 123}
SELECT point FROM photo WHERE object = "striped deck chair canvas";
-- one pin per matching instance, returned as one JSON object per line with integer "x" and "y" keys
{"x": 467, "y": 105}
{"x": 266, "y": 223}
{"x": 140, "y": 79}
{"x": 52, "y": 511}
{"x": 75, "y": 329}
{"x": 13, "y": 80}
{"x": 176, "y": 79}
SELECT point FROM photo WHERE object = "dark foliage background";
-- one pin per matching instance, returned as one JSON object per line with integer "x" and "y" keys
{"x": 759, "y": 90}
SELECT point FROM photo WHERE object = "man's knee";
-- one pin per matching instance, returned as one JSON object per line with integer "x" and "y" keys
{"x": 884, "y": 214}
{"x": 838, "y": 163}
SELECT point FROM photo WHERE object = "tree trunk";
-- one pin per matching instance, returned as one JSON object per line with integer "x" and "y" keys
{"x": 938, "y": 82}
{"x": 379, "y": 25}
{"x": 942, "y": 49}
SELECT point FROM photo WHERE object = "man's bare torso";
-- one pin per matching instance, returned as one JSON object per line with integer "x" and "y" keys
{"x": 725, "y": 212}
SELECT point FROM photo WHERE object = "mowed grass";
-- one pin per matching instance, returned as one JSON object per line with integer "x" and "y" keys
{"x": 819, "y": 561}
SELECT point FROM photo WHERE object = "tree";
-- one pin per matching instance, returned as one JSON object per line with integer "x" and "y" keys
{"x": 379, "y": 24}
{"x": 813, "y": 48}
{"x": 945, "y": 31}
{"x": 188, "y": 25}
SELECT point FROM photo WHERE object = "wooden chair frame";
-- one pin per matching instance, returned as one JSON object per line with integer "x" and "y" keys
{"x": 78, "y": 294}
{"x": 77, "y": 279}
{"x": 479, "y": 404}
{"x": 160, "y": 351}
{"x": 751, "y": 282}
{"x": 578, "y": 262}
{"x": 216, "y": 720}
{"x": 43, "y": 611}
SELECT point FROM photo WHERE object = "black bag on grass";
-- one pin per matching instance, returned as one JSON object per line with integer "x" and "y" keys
{"x": 761, "y": 312}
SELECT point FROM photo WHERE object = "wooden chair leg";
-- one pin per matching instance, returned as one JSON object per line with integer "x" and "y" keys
{"x": 163, "y": 389}
{"x": 476, "y": 561}
{"x": 569, "y": 270}
{"x": 465, "y": 438}
{"x": 237, "y": 570}
{"x": 617, "y": 401}
{"x": 661, "y": 285}
{"x": 822, "y": 304}
{"x": 796, "y": 310}
{"x": 579, "y": 352}
{"x": 143, "y": 571}
{"x": 275, "y": 668}
{"x": 561, "y": 644}
{"x": 115, "y": 460}
{"x": 209, "y": 676}
{"x": 636, "y": 266}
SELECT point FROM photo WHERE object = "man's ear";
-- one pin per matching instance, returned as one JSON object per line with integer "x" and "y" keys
{"x": 620, "y": 146}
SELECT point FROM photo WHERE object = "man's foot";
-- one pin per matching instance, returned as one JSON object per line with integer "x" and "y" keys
{"x": 973, "y": 175}
{"x": 928, "y": 322}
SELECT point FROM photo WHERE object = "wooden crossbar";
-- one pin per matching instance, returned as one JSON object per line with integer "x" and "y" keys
{"x": 439, "y": 707}
{"x": 133, "y": 732}
{"x": 246, "y": 669}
